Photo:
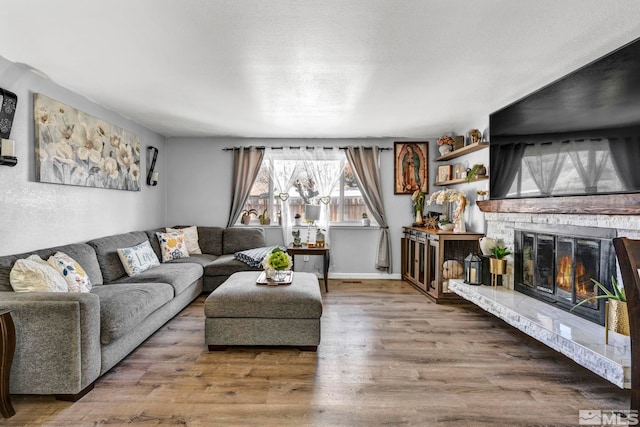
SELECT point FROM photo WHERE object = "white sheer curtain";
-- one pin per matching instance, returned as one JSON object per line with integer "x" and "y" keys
{"x": 589, "y": 163}
{"x": 323, "y": 167}
{"x": 283, "y": 168}
{"x": 545, "y": 168}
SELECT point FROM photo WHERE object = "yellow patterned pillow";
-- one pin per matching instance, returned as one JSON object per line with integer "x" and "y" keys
{"x": 172, "y": 245}
{"x": 190, "y": 237}
{"x": 72, "y": 272}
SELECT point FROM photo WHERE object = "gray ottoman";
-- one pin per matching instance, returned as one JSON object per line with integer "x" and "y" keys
{"x": 239, "y": 312}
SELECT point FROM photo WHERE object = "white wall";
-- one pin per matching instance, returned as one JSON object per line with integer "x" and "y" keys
{"x": 199, "y": 192}
{"x": 36, "y": 215}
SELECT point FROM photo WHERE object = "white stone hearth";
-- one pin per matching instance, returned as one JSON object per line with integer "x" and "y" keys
{"x": 576, "y": 338}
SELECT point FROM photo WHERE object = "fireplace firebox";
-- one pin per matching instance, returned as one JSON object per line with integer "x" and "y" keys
{"x": 557, "y": 264}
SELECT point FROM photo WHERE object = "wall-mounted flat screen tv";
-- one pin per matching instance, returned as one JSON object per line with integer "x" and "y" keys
{"x": 577, "y": 136}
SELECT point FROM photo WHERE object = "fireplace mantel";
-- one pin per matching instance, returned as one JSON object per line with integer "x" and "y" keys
{"x": 613, "y": 204}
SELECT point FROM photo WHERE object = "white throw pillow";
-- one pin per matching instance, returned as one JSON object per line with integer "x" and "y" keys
{"x": 190, "y": 238}
{"x": 138, "y": 258}
{"x": 34, "y": 274}
{"x": 77, "y": 279}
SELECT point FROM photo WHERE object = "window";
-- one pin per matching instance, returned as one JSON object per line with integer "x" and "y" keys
{"x": 346, "y": 204}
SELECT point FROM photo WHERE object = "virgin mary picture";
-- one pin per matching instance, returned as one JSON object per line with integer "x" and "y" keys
{"x": 410, "y": 167}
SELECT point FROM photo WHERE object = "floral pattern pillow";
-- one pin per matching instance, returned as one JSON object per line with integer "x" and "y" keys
{"x": 172, "y": 245}
{"x": 190, "y": 237}
{"x": 139, "y": 258}
{"x": 75, "y": 276}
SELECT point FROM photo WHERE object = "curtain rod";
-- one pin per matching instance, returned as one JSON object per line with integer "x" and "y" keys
{"x": 298, "y": 147}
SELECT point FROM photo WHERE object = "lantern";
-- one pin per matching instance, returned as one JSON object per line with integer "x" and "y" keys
{"x": 473, "y": 270}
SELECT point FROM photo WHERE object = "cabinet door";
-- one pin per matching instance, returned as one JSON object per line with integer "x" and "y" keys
{"x": 403, "y": 256}
{"x": 421, "y": 262}
{"x": 432, "y": 269}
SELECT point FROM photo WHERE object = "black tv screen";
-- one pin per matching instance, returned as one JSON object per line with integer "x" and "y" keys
{"x": 579, "y": 135}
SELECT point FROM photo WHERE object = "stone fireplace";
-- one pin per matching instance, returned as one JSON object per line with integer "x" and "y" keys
{"x": 558, "y": 264}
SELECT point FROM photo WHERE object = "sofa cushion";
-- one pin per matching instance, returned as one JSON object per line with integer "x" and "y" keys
{"x": 226, "y": 265}
{"x": 179, "y": 275}
{"x": 153, "y": 239}
{"x": 236, "y": 239}
{"x": 202, "y": 259}
{"x": 123, "y": 307}
{"x": 210, "y": 240}
{"x": 107, "y": 252}
{"x": 81, "y": 252}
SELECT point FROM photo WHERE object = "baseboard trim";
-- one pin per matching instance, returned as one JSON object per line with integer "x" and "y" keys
{"x": 365, "y": 276}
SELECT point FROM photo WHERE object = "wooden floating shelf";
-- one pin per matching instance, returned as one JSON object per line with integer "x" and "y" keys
{"x": 464, "y": 150}
{"x": 611, "y": 204}
{"x": 461, "y": 181}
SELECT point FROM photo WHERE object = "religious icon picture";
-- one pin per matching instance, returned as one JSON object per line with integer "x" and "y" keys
{"x": 444, "y": 173}
{"x": 411, "y": 168}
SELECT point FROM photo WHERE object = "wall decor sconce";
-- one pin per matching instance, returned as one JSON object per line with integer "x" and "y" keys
{"x": 152, "y": 176}
{"x": 7, "y": 111}
{"x": 7, "y": 152}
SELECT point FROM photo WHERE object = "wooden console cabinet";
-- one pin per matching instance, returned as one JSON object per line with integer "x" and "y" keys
{"x": 424, "y": 252}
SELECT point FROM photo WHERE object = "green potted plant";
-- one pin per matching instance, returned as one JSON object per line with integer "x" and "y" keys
{"x": 365, "y": 219}
{"x": 497, "y": 263}
{"x": 245, "y": 216}
{"x": 276, "y": 264}
{"x": 475, "y": 171}
{"x": 264, "y": 217}
{"x": 616, "y": 311}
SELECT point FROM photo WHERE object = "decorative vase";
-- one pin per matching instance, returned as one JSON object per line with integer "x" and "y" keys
{"x": 418, "y": 217}
{"x": 280, "y": 275}
{"x": 497, "y": 266}
{"x": 486, "y": 244}
{"x": 459, "y": 226}
{"x": 616, "y": 318}
{"x": 444, "y": 149}
{"x": 269, "y": 272}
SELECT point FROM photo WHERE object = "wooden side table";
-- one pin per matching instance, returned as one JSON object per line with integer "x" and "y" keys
{"x": 305, "y": 250}
{"x": 7, "y": 348}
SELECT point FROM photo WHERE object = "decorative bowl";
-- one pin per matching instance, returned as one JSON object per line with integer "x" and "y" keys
{"x": 446, "y": 226}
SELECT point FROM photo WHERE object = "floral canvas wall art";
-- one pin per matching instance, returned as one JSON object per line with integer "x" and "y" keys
{"x": 75, "y": 148}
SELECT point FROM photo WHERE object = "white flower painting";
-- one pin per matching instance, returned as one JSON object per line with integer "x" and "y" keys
{"x": 74, "y": 148}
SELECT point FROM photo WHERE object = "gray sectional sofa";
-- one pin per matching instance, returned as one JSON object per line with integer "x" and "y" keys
{"x": 66, "y": 341}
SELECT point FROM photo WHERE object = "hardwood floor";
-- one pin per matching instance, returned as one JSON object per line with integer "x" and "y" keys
{"x": 388, "y": 357}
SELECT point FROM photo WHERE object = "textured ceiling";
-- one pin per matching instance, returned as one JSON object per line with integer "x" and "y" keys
{"x": 286, "y": 68}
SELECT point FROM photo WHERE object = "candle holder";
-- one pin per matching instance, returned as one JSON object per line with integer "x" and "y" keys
{"x": 473, "y": 269}
{"x": 7, "y": 152}
{"x": 152, "y": 176}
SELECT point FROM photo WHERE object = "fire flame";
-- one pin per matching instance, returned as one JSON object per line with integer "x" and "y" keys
{"x": 584, "y": 287}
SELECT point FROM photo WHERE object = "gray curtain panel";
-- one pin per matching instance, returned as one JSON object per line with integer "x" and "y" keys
{"x": 246, "y": 165}
{"x": 365, "y": 163}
